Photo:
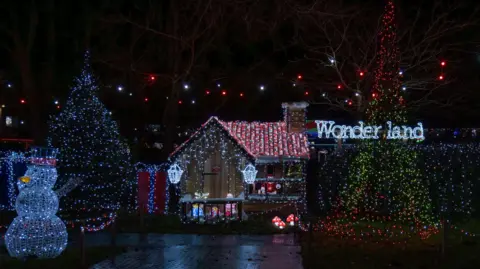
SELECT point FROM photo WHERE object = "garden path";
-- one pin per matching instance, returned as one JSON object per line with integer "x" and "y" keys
{"x": 184, "y": 251}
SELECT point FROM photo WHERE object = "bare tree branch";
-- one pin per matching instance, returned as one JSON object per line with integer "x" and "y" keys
{"x": 345, "y": 46}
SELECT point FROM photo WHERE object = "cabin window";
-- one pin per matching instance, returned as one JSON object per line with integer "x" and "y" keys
{"x": 270, "y": 171}
{"x": 293, "y": 170}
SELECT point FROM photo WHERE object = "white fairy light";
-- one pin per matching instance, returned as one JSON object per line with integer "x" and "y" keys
{"x": 120, "y": 88}
{"x": 262, "y": 87}
{"x": 362, "y": 131}
{"x": 404, "y": 88}
{"x": 37, "y": 231}
{"x": 249, "y": 174}
{"x": 174, "y": 173}
{"x": 185, "y": 86}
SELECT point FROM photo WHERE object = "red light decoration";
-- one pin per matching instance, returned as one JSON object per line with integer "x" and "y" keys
{"x": 299, "y": 77}
{"x": 306, "y": 93}
{"x": 241, "y": 94}
{"x": 339, "y": 86}
{"x": 152, "y": 78}
{"x": 207, "y": 92}
{"x": 146, "y": 99}
{"x": 374, "y": 95}
{"x": 224, "y": 92}
{"x": 22, "y": 101}
{"x": 58, "y": 107}
{"x": 443, "y": 63}
{"x": 349, "y": 103}
{"x": 180, "y": 102}
{"x": 362, "y": 73}
{"x": 440, "y": 77}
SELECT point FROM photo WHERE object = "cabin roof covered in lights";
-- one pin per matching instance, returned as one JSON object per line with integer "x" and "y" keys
{"x": 262, "y": 141}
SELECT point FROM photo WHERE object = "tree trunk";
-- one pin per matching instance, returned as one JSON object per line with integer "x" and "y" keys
{"x": 170, "y": 122}
{"x": 170, "y": 115}
{"x": 34, "y": 98}
{"x": 49, "y": 77}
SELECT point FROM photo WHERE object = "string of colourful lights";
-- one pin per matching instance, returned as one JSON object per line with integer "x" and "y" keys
{"x": 450, "y": 170}
{"x": 99, "y": 227}
{"x": 105, "y": 221}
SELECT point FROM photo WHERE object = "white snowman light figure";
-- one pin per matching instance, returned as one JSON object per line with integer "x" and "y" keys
{"x": 37, "y": 231}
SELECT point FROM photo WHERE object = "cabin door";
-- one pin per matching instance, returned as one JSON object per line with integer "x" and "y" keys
{"x": 215, "y": 177}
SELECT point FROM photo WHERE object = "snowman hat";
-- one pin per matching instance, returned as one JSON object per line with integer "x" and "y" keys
{"x": 43, "y": 156}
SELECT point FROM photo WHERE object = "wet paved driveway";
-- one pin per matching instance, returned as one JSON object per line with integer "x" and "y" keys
{"x": 208, "y": 252}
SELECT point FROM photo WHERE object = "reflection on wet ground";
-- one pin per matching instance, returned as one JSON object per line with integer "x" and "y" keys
{"x": 204, "y": 251}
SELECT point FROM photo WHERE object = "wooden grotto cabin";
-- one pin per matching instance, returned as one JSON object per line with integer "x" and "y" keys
{"x": 228, "y": 168}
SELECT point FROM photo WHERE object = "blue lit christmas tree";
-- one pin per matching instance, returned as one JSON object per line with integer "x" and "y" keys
{"x": 91, "y": 149}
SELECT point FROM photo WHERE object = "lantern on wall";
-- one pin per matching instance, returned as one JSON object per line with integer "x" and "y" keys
{"x": 249, "y": 174}
{"x": 174, "y": 173}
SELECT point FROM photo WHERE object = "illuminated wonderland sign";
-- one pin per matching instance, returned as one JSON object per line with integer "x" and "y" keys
{"x": 327, "y": 129}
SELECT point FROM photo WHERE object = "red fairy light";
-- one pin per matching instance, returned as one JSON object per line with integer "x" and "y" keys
{"x": 22, "y": 101}
{"x": 207, "y": 92}
{"x": 443, "y": 63}
{"x": 241, "y": 94}
{"x": 224, "y": 92}
{"x": 180, "y": 102}
{"x": 299, "y": 77}
{"x": 146, "y": 99}
{"x": 361, "y": 74}
{"x": 349, "y": 103}
{"x": 440, "y": 77}
{"x": 306, "y": 93}
{"x": 339, "y": 86}
{"x": 374, "y": 95}
{"x": 152, "y": 78}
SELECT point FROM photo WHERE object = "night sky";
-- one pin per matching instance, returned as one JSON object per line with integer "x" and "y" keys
{"x": 241, "y": 48}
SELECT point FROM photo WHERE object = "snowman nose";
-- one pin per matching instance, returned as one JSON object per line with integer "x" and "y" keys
{"x": 25, "y": 179}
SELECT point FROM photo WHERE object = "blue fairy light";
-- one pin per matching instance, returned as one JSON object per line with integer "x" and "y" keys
{"x": 91, "y": 149}
{"x": 37, "y": 231}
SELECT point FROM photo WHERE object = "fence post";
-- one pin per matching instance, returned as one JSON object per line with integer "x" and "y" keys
{"x": 142, "y": 226}
{"x": 113, "y": 230}
{"x": 82, "y": 245}
{"x": 113, "y": 240}
{"x": 310, "y": 238}
{"x": 444, "y": 234}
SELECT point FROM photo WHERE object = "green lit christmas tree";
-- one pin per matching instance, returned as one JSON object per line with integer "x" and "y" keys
{"x": 385, "y": 181}
{"x": 91, "y": 149}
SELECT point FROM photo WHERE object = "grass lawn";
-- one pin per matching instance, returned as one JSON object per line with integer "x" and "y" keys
{"x": 330, "y": 252}
{"x": 70, "y": 259}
